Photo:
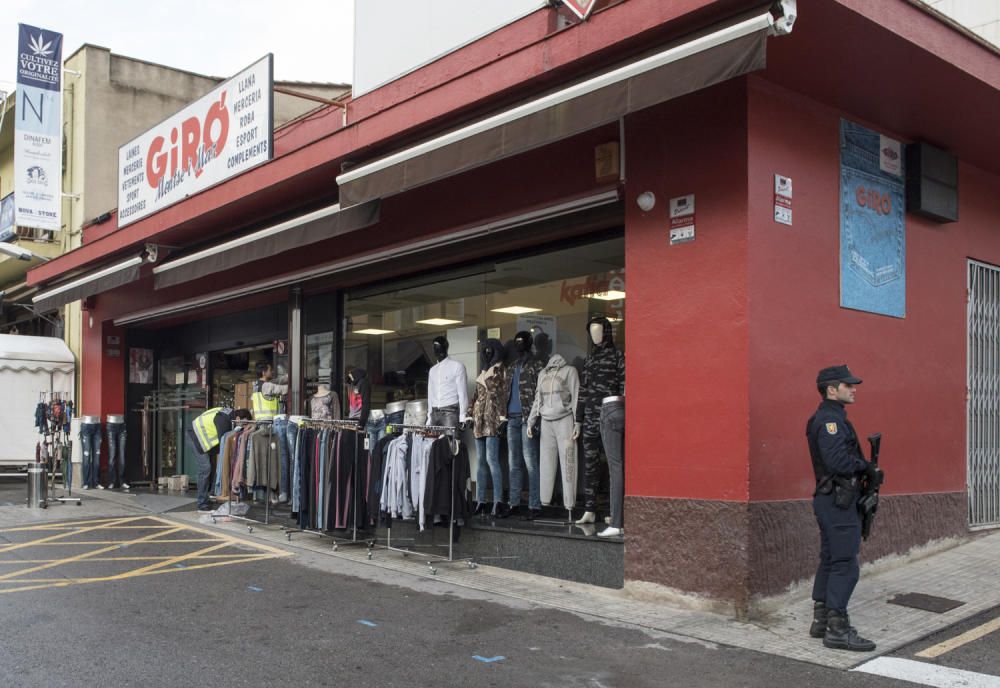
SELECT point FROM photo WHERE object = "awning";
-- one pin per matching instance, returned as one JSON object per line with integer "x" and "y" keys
{"x": 307, "y": 229}
{"x": 34, "y": 354}
{"x": 95, "y": 282}
{"x": 573, "y": 210}
{"x": 710, "y": 58}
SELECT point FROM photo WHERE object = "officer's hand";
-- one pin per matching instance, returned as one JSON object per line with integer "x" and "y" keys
{"x": 576, "y": 430}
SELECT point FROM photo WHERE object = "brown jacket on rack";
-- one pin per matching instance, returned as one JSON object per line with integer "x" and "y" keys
{"x": 489, "y": 403}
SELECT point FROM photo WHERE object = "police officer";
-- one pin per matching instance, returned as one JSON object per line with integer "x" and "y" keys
{"x": 838, "y": 463}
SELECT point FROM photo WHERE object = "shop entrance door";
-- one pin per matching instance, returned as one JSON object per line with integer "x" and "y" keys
{"x": 983, "y": 406}
{"x": 182, "y": 397}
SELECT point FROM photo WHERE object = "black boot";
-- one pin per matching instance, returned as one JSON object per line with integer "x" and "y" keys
{"x": 840, "y": 635}
{"x": 482, "y": 509}
{"x": 500, "y": 510}
{"x": 820, "y": 613}
{"x": 532, "y": 514}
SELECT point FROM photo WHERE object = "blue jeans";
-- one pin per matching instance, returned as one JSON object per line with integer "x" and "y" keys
{"x": 280, "y": 428}
{"x": 489, "y": 453}
{"x": 117, "y": 436}
{"x": 522, "y": 449}
{"x": 90, "y": 438}
{"x": 375, "y": 430}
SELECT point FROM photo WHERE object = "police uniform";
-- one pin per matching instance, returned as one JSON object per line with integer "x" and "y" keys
{"x": 837, "y": 463}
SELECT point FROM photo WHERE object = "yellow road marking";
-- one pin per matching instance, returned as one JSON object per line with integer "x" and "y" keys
{"x": 161, "y": 564}
{"x": 960, "y": 640}
{"x": 77, "y": 557}
{"x": 22, "y": 545}
{"x": 67, "y": 525}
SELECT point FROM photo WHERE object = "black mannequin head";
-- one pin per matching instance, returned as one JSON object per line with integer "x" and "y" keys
{"x": 522, "y": 343}
{"x": 491, "y": 353}
{"x": 440, "y": 348}
{"x": 350, "y": 376}
{"x": 543, "y": 346}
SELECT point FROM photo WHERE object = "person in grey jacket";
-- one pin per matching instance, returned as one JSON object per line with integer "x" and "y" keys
{"x": 556, "y": 399}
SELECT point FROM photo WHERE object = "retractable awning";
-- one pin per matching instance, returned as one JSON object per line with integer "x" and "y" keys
{"x": 713, "y": 56}
{"x": 95, "y": 282}
{"x": 307, "y": 229}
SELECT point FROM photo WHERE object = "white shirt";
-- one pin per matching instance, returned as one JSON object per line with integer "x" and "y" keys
{"x": 448, "y": 384}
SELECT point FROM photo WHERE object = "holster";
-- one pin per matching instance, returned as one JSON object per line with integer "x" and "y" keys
{"x": 845, "y": 491}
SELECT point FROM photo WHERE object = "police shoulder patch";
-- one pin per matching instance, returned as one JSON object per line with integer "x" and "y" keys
{"x": 831, "y": 428}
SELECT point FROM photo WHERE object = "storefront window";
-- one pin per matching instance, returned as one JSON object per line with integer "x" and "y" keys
{"x": 389, "y": 329}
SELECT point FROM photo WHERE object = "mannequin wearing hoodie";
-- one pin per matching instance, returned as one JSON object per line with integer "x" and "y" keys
{"x": 489, "y": 409}
{"x": 603, "y": 376}
{"x": 447, "y": 388}
{"x": 556, "y": 400}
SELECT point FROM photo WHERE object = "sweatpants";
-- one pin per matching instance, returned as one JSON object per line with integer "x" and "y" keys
{"x": 557, "y": 443}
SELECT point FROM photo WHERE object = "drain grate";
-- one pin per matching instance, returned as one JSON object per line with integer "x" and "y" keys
{"x": 929, "y": 603}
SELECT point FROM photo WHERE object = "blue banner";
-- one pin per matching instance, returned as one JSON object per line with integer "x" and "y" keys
{"x": 7, "y": 231}
{"x": 872, "y": 222}
{"x": 38, "y": 129}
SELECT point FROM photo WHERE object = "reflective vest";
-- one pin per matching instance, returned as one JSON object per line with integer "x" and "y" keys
{"x": 205, "y": 430}
{"x": 265, "y": 407}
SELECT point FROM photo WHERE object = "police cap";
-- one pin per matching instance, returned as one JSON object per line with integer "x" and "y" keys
{"x": 839, "y": 373}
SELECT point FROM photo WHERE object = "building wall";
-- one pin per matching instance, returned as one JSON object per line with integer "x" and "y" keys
{"x": 914, "y": 367}
{"x": 687, "y": 475}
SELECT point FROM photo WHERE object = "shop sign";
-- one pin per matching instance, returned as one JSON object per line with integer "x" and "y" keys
{"x": 38, "y": 129}
{"x": 8, "y": 229}
{"x": 222, "y": 134}
{"x": 682, "y": 219}
{"x": 872, "y": 222}
{"x": 782, "y": 199}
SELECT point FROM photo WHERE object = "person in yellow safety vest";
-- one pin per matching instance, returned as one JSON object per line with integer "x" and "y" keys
{"x": 206, "y": 433}
{"x": 266, "y": 394}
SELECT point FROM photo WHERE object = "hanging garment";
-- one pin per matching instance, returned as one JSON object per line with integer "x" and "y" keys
{"x": 446, "y": 493}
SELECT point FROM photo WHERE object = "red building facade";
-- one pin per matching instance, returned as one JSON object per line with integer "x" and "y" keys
{"x": 723, "y": 335}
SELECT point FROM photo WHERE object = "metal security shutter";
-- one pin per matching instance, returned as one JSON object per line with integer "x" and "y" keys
{"x": 984, "y": 395}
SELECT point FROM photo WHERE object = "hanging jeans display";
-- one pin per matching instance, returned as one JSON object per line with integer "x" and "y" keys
{"x": 522, "y": 451}
{"x": 613, "y": 437}
{"x": 90, "y": 439}
{"x": 117, "y": 437}
{"x": 280, "y": 429}
{"x": 557, "y": 444}
{"x": 375, "y": 428}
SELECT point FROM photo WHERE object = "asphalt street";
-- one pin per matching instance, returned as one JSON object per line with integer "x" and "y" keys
{"x": 147, "y": 600}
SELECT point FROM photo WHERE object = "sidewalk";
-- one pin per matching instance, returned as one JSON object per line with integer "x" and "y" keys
{"x": 965, "y": 572}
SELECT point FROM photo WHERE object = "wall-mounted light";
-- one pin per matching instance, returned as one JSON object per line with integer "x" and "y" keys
{"x": 646, "y": 201}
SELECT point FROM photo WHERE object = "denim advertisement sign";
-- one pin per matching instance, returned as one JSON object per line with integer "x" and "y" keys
{"x": 872, "y": 222}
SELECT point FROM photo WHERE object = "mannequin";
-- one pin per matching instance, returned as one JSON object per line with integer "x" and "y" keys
{"x": 489, "y": 404}
{"x": 447, "y": 388}
{"x": 603, "y": 376}
{"x": 359, "y": 395}
{"x": 556, "y": 401}
{"x": 324, "y": 404}
{"x": 117, "y": 438}
{"x": 522, "y": 449}
{"x": 90, "y": 440}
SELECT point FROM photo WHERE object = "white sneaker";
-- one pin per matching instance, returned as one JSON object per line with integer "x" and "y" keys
{"x": 588, "y": 517}
{"x": 124, "y": 486}
{"x": 86, "y": 487}
{"x": 611, "y": 531}
{"x": 100, "y": 487}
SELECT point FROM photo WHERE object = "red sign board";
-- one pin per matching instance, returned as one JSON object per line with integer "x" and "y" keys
{"x": 581, "y": 8}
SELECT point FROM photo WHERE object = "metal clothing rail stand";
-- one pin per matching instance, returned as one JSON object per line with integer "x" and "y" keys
{"x": 251, "y": 522}
{"x": 433, "y": 430}
{"x": 348, "y": 425}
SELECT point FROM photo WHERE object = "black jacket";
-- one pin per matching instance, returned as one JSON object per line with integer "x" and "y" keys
{"x": 833, "y": 443}
{"x": 603, "y": 372}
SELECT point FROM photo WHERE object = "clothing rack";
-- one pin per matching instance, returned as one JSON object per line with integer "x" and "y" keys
{"x": 439, "y": 431}
{"x": 350, "y": 425}
{"x": 267, "y": 478}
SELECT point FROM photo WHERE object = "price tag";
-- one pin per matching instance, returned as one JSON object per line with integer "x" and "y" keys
{"x": 367, "y": 440}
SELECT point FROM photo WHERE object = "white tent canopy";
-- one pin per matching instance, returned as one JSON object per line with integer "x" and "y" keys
{"x": 31, "y": 368}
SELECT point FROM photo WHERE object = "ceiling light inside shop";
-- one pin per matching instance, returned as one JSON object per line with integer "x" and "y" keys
{"x": 516, "y": 310}
{"x": 373, "y": 330}
{"x": 439, "y": 322}
{"x": 606, "y": 295}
